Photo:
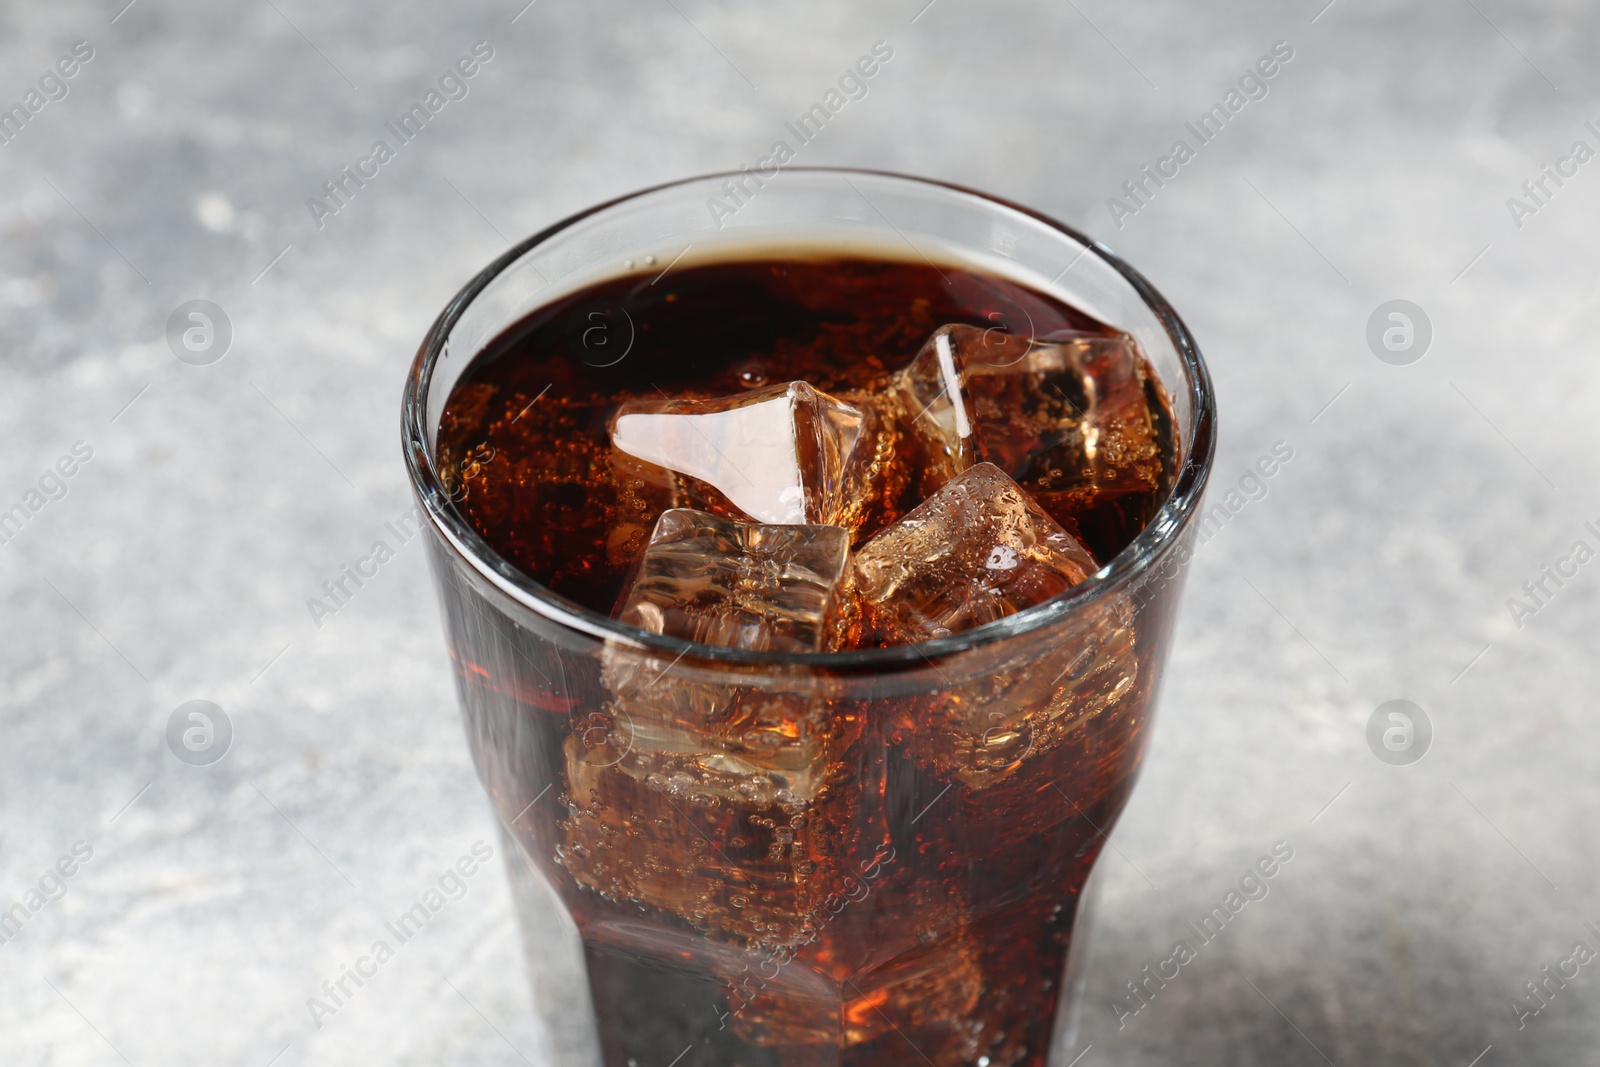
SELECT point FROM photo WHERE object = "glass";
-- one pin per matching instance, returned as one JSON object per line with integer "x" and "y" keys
{"x": 865, "y": 857}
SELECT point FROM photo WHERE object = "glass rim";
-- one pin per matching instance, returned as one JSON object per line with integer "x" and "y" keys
{"x": 1173, "y": 516}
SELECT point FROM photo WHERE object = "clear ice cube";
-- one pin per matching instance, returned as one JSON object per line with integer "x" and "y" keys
{"x": 715, "y": 835}
{"x": 738, "y": 585}
{"x": 978, "y": 550}
{"x": 761, "y": 587}
{"x": 687, "y": 753}
{"x": 637, "y": 830}
{"x": 1066, "y": 416}
{"x": 714, "y": 737}
{"x": 786, "y": 455}
{"x": 1026, "y": 711}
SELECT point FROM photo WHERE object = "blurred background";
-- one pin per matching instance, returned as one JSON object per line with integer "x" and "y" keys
{"x": 1440, "y": 462}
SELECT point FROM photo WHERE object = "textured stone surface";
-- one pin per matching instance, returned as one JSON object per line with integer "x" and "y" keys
{"x": 1377, "y": 565}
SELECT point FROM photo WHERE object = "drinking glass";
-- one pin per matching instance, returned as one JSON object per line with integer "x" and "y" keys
{"x": 881, "y": 856}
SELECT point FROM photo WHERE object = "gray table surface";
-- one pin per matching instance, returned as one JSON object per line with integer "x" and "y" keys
{"x": 218, "y": 498}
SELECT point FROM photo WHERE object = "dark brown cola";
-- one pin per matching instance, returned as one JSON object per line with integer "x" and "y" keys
{"x": 810, "y": 867}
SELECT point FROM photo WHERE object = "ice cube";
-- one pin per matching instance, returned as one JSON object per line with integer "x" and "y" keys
{"x": 761, "y": 587}
{"x": 1034, "y": 716}
{"x": 720, "y": 849}
{"x": 687, "y": 753}
{"x": 639, "y": 830}
{"x": 786, "y": 455}
{"x": 748, "y": 743}
{"x": 738, "y": 585}
{"x": 1066, "y": 416}
{"x": 976, "y": 551}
